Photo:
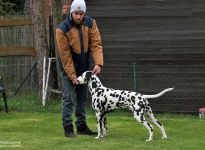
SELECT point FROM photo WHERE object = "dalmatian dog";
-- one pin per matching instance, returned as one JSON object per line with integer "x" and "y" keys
{"x": 105, "y": 100}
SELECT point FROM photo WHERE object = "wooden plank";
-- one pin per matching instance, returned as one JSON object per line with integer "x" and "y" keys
{"x": 174, "y": 101}
{"x": 55, "y": 91}
{"x": 147, "y": 50}
{"x": 141, "y": 13}
{"x": 152, "y": 56}
{"x": 151, "y": 43}
{"x": 15, "y": 22}
{"x": 128, "y": 61}
{"x": 18, "y": 50}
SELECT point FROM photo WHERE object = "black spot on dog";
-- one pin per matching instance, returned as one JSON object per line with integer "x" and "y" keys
{"x": 109, "y": 107}
{"x": 98, "y": 93}
{"x": 123, "y": 99}
{"x": 150, "y": 126}
{"x": 159, "y": 123}
{"x": 98, "y": 100}
{"x": 98, "y": 106}
{"x": 94, "y": 85}
{"x": 117, "y": 104}
{"x": 137, "y": 111}
{"x": 111, "y": 102}
{"x": 141, "y": 117}
{"x": 112, "y": 95}
{"x": 140, "y": 98}
{"x": 141, "y": 104}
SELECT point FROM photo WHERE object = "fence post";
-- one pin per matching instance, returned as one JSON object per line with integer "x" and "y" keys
{"x": 135, "y": 77}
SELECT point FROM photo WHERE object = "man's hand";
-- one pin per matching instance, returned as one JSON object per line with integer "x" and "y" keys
{"x": 75, "y": 81}
{"x": 96, "y": 69}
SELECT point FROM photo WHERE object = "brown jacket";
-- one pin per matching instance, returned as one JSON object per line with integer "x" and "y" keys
{"x": 75, "y": 44}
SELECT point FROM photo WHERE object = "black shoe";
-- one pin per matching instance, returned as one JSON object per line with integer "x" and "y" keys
{"x": 83, "y": 129}
{"x": 69, "y": 132}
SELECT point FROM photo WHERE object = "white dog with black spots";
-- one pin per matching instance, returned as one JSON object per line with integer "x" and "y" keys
{"x": 105, "y": 100}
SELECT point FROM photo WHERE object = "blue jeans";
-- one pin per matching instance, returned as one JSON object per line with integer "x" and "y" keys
{"x": 76, "y": 95}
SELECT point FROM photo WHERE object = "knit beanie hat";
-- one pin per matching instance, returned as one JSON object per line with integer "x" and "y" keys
{"x": 78, "y": 5}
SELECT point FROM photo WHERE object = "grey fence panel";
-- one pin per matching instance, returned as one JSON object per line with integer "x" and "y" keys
{"x": 18, "y": 69}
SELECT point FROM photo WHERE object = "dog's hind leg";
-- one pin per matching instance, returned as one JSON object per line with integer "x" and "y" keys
{"x": 139, "y": 116}
{"x": 150, "y": 115}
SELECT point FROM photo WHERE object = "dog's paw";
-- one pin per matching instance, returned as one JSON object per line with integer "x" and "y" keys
{"x": 164, "y": 137}
{"x": 97, "y": 137}
{"x": 150, "y": 139}
{"x": 104, "y": 135}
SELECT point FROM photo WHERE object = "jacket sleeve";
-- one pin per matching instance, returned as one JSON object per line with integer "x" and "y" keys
{"x": 95, "y": 45}
{"x": 65, "y": 54}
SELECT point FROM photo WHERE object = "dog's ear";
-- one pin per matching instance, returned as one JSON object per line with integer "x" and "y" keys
{"x": 88, "y": 75}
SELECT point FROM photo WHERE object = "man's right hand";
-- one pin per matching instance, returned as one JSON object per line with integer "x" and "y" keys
{"x": 75, "y": 81}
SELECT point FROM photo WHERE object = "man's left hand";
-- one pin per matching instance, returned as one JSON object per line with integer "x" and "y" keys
{"x": 96, "y": 69}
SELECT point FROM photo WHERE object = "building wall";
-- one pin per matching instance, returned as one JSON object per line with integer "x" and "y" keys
{"x": 166, "y": 41}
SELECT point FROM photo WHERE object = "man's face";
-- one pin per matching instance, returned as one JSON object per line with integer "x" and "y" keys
{"x": 78, "y": 17}
{"x": 65, "y": 9}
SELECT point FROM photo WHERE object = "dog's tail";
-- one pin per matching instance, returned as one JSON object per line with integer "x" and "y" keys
{"x": 159, "y": 94}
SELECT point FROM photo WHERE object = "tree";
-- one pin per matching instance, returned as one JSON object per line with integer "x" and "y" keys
{"x": 40, "y": 37}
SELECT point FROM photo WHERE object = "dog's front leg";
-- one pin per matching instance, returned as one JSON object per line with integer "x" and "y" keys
{"x": 104, "y": 122}
{"x": 99, "y": 125}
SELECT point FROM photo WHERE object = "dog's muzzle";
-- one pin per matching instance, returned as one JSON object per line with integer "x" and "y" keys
{"x": 78, "y": 81}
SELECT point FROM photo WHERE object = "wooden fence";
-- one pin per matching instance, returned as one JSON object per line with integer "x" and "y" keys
{"x": 17, "y": 54}
{"x": 16, "y": 35}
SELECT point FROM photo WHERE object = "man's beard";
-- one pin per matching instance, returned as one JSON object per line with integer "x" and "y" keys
{"x": 78, "y": 22}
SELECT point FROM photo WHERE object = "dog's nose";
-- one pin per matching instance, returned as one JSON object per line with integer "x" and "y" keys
{"x": 78, "y": 81}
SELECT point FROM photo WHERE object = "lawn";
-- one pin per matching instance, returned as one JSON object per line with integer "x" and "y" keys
{"x": 43, "y": 130}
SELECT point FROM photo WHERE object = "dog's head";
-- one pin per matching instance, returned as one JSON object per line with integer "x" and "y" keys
{"x": 85, "y": 77}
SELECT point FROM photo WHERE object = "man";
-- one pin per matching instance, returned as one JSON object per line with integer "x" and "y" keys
{"x": 76, "y": 37}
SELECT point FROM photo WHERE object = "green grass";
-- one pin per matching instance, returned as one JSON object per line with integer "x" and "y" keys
{"x": 32, "y": 103}
{"x": 43, "y": 130}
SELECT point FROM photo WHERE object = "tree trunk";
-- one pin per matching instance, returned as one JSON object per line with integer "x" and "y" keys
{"x": 58, "y": 16}
{"x": 40, "y": 37}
